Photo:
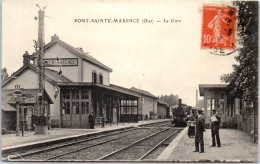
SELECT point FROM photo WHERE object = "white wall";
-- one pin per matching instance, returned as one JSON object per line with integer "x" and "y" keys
{"x": 28, "y": 79}
{"x": 71, "y": 72}
{"x": 87, "y": 73}
{"x": 150, "y": 105}
{"x": 75, "y": 73}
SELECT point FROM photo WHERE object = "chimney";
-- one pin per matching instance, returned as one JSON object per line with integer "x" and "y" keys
{"x": 54, "y": 37}
{"x": 179, "y": 102}
{"x": 80, "y": 49}
{"x": 26, "y": 58}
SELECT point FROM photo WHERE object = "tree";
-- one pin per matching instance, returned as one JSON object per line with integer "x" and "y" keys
{"x": 4, "y": 74}
{"x": 171, "y": 99}
{"x": 244, "y": 79}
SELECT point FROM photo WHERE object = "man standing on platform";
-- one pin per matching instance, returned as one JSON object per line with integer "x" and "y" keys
{"x": 215, "y": 121}
{"x": 200, "y": 128}
{"x": 91, "y": 120}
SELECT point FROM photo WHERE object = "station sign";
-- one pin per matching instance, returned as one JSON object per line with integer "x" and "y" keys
{"x": 54, "y": 62}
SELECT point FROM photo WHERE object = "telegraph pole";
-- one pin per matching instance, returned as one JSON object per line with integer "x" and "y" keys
{"x": 41, "y": 128}
{"x": 40, "y": 59}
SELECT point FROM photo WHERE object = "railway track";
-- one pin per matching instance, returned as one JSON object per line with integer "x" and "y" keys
{"x": 29, "y": 152}
{"x": 133, "y": 144}
{"x": 140, "y": 149}
{"x": 156, "y": 124}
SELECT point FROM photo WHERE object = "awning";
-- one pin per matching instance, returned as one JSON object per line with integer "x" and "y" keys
{"x": 8, "y": 100}
{"x": 111, "y": 88}
{"x": 202, "y": 87}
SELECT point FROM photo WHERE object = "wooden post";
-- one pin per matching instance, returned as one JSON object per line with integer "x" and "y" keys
{"x": 22, "y": 107}
{"x": 110, "y": 109}
{"x": 17, "y": 119}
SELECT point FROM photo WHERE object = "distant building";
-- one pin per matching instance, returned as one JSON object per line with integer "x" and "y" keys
{"x": 163, "y": 109}
{"x": 215, "y": 97}
{"x": 148, "y": 104}
{"x": 235, "y": 113}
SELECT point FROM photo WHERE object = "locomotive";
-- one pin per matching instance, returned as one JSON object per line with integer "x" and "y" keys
{"x": 178, "y": 116}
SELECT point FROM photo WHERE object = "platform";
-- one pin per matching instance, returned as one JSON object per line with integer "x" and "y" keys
{"x": 11, "y": 140}
{"x": 236, "y": 146}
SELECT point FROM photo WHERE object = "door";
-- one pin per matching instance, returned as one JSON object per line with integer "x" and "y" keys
{"x": 84, "y": 110}
{"x": 66, "y": 115}
{"x": 75, "y": 117}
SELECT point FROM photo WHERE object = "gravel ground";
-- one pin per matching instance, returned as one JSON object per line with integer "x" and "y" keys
{"x": 139, "y": 149}
{"x": 104, "y": 149}
{"x": 129, "y": 136}
{"x": 28, "y": 150}
{"x": 160, "y": 149}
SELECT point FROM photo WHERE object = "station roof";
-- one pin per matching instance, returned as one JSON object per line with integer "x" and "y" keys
{"x": 50, "y": 75}
{"x": 77, "y": 52}
{"x": 7, "y": 103}
{"x": 108, "y": 87}
{"x": 162, "y": 102}
{"x": 202, "y": 87}
{"x": 143, "y": 92}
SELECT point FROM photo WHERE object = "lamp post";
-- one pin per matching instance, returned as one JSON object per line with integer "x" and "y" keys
{"x": 17, "y": 96}
{"x": 23, "y": 121}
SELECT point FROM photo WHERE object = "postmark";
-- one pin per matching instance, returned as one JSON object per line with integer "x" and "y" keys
{"x": 219, "y": 29}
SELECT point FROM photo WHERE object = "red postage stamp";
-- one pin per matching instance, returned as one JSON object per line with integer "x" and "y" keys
{"x": 218, "y": 28}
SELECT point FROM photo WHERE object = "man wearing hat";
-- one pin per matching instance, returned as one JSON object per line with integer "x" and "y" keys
{"x": 200, "y": 128}
{"x": 215, "y": 121}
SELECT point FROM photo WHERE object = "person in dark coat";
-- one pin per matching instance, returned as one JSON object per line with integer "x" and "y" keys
{"x": 200, "y": 128}
{"x": 215, "y": 121}
{"x": 91, "y": 120}
{"x": 102, "y": 121}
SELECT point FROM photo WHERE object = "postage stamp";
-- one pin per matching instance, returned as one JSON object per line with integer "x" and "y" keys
{"x": 218, "y": 28}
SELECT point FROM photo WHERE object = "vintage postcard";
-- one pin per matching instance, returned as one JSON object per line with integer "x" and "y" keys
{"x": 129, "y": 81}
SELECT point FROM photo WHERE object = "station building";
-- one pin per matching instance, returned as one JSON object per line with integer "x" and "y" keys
{"x": 215, "y": 97}
{"x": 148, "y": 104}
{"x": 76, "y": 84}
{"x": 235, "y": 113}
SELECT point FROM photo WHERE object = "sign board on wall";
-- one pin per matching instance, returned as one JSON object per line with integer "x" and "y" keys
{"x": 53, "y": 62}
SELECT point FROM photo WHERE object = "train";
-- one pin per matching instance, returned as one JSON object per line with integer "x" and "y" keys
{"x": 178, "y": 116}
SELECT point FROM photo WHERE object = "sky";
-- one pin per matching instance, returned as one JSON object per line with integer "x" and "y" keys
{"x": 162, "y": 58}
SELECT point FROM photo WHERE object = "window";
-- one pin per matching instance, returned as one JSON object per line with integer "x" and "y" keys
{"x": 221, "y": 104}
{"x": 100, "y": 78}
{"x": 134, "y": 103}
{"x": 213, "y": 104}
{"x": 123, "y": 102}
{"x": 75, "y": 94}
{"x": 84, "y": 94}
{"x": 84, "y": 108}
{"x": 75, "y": 107}
{"x": 129, "y": 102}
{"x": 66, "y": 94}
{"x": 66, "y": 107}
{"x": 124, "y": 110}
{"x": 134, "y": 110}
{"x": 208, "y": 104}
{"x": 129, "y": 107}
{"x": 94, "y": 77}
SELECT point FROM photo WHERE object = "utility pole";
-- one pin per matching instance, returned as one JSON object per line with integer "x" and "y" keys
{"x": 40, "y": 59}
{"x": 42, "y": 127}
